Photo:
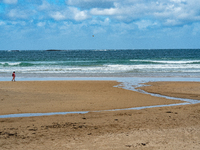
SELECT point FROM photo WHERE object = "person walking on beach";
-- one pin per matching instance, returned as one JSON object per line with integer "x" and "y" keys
{"x": 13, "y": 75}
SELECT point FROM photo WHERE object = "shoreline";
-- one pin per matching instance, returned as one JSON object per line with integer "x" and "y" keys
{"x": 63, "y": 76}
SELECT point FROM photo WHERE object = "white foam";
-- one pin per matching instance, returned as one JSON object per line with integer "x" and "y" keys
{"x": 10, "y": 63}
{"x": 169, "y": 61}
{"x": 107, "y": 68}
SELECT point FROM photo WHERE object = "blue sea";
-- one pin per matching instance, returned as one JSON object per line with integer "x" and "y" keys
{"x": 101, "y": 63}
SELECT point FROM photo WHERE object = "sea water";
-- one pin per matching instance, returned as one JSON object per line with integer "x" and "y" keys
{"x": 101, "y": 63}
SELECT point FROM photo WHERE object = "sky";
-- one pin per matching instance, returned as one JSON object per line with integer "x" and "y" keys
{"x": 99, "y": 24}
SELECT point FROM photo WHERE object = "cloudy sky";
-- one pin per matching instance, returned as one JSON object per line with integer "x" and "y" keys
{"x": 99, "y": 24}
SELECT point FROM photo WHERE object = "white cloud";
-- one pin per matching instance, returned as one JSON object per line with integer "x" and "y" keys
{"x": 71, "y": 13}
{"x": 178, "y": 1}
{"x": 141, "y": 13}
{"x": 87, "y": 4}
{"x": 14, "y": 23}
{"x": 95, "y": 21}
{"x": 77, "y": 14}
{"x": 41, "y": 24}
{"x": 58, "y": 15}
{"x": 10, "y": 1}
{"x": 166, "y": 12}
{"x": 45, "y": 5}
{"x": 98, "y": 30}
{"x": 143, "y": 24}
{"x": 106, "y": 22}
{"x": 110, "y": 11}
{"x": 80, "y": 16}
{"x": 2, "y": 23}
{"x": 16, "y": 13}
{"x": 171, "y": 22}
{"x": 176, "y": 12}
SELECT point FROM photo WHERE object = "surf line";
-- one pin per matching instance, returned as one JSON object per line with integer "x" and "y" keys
{"x": 124, "y": 84}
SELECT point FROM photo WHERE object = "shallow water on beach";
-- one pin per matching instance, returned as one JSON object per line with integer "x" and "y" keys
{"x": 129, "y": 83}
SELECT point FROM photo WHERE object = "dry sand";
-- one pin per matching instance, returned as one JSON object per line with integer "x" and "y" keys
{"x": 156, "y": 128}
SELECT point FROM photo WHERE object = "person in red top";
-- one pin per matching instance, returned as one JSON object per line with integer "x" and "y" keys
{"x": 13, "y": 75}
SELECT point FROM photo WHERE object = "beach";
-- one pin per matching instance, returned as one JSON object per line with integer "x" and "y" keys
{"x": 174, "y": 127}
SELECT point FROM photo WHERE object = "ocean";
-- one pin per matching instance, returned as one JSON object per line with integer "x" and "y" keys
{"x": 101, "y": 63}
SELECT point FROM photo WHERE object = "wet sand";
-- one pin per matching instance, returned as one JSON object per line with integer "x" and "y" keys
{"x": 175, "y": 127}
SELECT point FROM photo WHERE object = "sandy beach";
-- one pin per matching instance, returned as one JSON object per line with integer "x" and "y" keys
{"x": 168, "y": 128}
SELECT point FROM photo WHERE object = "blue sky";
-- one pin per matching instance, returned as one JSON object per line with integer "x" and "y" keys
{"x": 115, "y": 24}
